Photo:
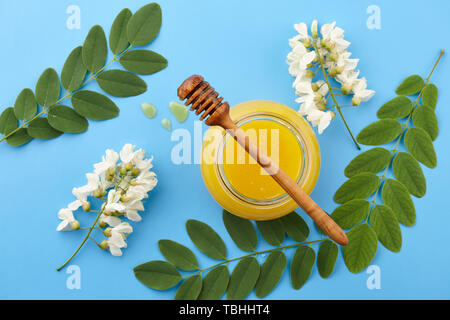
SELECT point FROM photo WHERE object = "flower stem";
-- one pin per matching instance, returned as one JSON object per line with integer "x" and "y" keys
{"x": 330, "y": 89}
{"x": 45, "y": 109}
{"x": 256, "y": 253}
{"x": 83, "y": 242}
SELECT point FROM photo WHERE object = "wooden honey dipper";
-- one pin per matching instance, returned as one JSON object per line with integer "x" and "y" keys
{"x": 206, "y": 103}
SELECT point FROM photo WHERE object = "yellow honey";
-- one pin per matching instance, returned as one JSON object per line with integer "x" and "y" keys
{"x": 237, "y": 182}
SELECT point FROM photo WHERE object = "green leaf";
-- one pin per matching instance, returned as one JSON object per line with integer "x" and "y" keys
{"x": 190, "y": 288}
{"x": 397, "y": 108}
{"x": 425, "y": 118}
{"x": 243, "y": 279}
{"x": 206, "y": 239}
{"x": 359, "y": 186}
{"x": 272, "y": 231}
{"x": 177, "y": 254}
{"x": 430, "y": 95}
{"x": 396, "y": 196}
{"x": 93, "y": 105}
{"x": 143, "y": 61}
{"x": 295, "y": 227}
{"x": 373, "y": 160}
{"x": 39, "y": 128}
{"x": 386, "y": 226}
{"x": 144, "y": 25}
{"x": 74, "y": 71}
{"x": 18, "y": 138}
{"x": 25, "y": 106}
{"x": 379, "y": 132}
{"x": 408, "y": 171}
{"x": 65, "y": 119}
{"x": 159, "y": 275}
{"x": 95, "y": 49}
{"x": 8, "y": 121}
{"x": 301, "y": 266}
{"x": 361, "y": 248}
{"x": 326, "y": 258}
{"x": 351, "y": 213}
{"x": 121, "y": 83}
{"x": 419, "y": 144}
{"x": 271, "y": 272}
{"x": 118, "y": 41}
{"x": 411, "y": 85}
{"x": 241, "y": 231}
{"x": 48, "y": 88}
{"x": 215, "y": 284}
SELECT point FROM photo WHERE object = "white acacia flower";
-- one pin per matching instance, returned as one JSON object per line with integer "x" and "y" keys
{"x": 110, "y": 220}
{"x": 68, "y": 222}
{"x": 109, "y": 160}
{"x": 132, "y": 208}
{"x": 329, "y": 49}
{"x": 113, "y": 203}
{"x": 117, "y": 239}
{"x": 127, "y": 153}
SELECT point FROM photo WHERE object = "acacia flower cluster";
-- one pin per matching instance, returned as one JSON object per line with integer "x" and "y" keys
{"x": 327, "y": 52}
{"x": 122, "y": 186}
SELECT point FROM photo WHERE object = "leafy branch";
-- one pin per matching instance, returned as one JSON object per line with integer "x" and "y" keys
{"x": 248, "y": 274}
{"x": 371, "y": 221}
{"x": 23, "y": 122}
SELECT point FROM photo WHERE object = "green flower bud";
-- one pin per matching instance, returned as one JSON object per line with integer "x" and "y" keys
{"x": 310, "y": 74}
{"x": 75, "y": 225}
{"x": 340, "y": 69}
{"x": 117, "y": 213}
{"x": 317, "y": 97}
{"x": 346, "y": 88}
{"x": 112, "y": 171}
{"x": 123, "y": 171}
{"x": 333, "y": 56}
{"x": 99, "y": 193}
{"x": 107, "y": 232}
{"x": 134, "y": 182}
{"x": 102, "y": 224}
{"x": 135, "y": 172}
{"x": 356, "y": 101}
{"x": 332, "y": 72}
{"x": 129, "y": 166}
{"x": 307, "y": 43}
{"x": 315, "y": 86}
{"x": 322, "y": 105}
{"x": 125, "y": 198}
{"x": 103, "y": 245}
{"x": 86, "y": 206}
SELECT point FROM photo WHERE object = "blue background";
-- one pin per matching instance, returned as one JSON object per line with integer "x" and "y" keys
{"x": 241, "y": 47}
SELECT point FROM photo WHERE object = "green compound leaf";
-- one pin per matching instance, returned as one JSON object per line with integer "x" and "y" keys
{"x": 271, "y": 271}
{"x": 397, "y": 108}
{"x": 118, "y": 41}
{"x": 241, "y": 231}
{"x": 144, "y": 25}
{"x": 386, "y": 226}
{"x": 351, "y": 213}
{"x": 18, "y": 138}
{"x": 39, "y": 128}
{"x": 8, "y": 121}
{"x": 301, "y": 266}
{"x": 373, "y": 160}
{"x": 379, "y": 132}
{"x": 396, "y": 196}
{"x": 93, "y": 105}
{"x": 430, "y": 95}
{"x": 419, "y": 144}
{"x": 425, "y": 118}
{"x": 272, "y": 231}
{"x": 295, "y": 227}
{"x": 159, "y": 275}
{"x": 361, "y": 248}
{"x": 25, "y": 106}
{"x": 215, "y": 284}
{"x": 143, "y": 61}
{"x": 95, "y": 49}
{"x": 121, "y": 83}
{"x": 243, "y": 279}
{"x": 206, "y": 239}
{"x": 359, "y": 186}
{"x": 190, "y": 288}
{"x": 48, "y": 88}
{"x": 326, "y": 258}
{"x": 65, "y": 119}
{"x": 408, "y": 171}
{"x": 177, "y": 254}
{"x": 411, "y": 85}
{"x": 74, "y": 71}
